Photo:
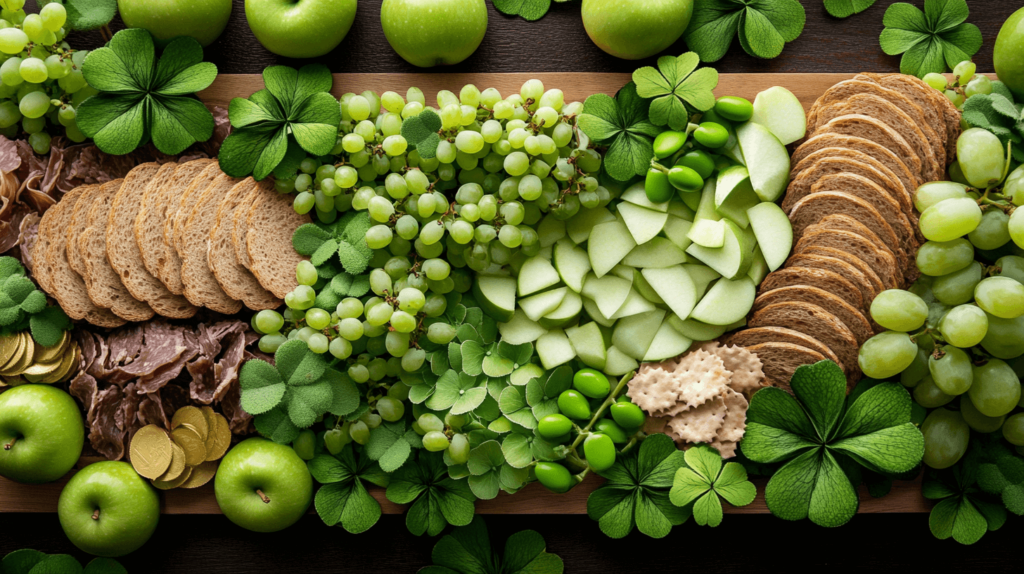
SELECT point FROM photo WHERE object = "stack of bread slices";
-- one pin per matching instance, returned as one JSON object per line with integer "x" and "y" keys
{"x": 872, "y": 141}
{"x": 166, "y": 240}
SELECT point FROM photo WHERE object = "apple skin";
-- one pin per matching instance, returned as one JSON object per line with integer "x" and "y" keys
{"x": 300, "y": 28}
{"x": 430, "y": 33}
{"x": 49, "y": 433}
{"x": 203, "y": 20}
{"x": 1008, "y": 55}
{"x": 273, "y": 469}
{"x": 636, "y": 29}
{"x": 128, "y": 506}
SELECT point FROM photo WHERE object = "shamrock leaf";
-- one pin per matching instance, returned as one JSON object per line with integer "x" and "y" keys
{"x": 459, "y": 392}
{"x": 678, "y": 89}
{"x": 48, "y": 325}
{"x": 345, "y": 238}
{"x": 142, "y": 98}
{"x": 295, "y": 111}
{"x": 963, "y": 512}
{"x": 436, "y": 499}
{"x": 542, "y": 394}
{"x": 530, "y": 10}
{"x": 391, "y": 444}
{"x": 816, "y": 431}
{"x": 467, "y": 550}
{"x": 704, "y": 479}
{"x": 343, "y": 498}
{"x": 1002, "y": 475}
{"x": 622, "y": 124}
{"x": 421, "y": 131}
{"x": 10, "y": 266}
{"x": 276, "y": 425}
{"x": 763, "y": 26}
{"x": 522, "y": 446}
{"x": 846, "y": 8}
{"x": 489, "y": 471}
{"x": 636, "y": 493}
{"x": 516, "y": 408}
{"x": 341, "y": 286}
{"x": 930, "y": 40}
{"x": 504, "y": 358}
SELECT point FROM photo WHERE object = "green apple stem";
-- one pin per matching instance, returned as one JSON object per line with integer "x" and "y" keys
{"x": 10, "y": 445}
{"x": 96, "y": 514}
{"x": 263, "y": 497}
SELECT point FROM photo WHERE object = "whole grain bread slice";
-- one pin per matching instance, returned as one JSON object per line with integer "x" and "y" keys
{"x": 878, "y": 259}
{"x": 79, "y": 222}
{"x": 270, "y": 223}
{"x": 238, "y": 230}
{"x": 868, "y": 290}
{"x": 877, "y": 284}
{"x": 816, "y": 206}
{"x": 123, "y": 249}
{"x": 201, "y": 286}
{"x": 237, "y": 281}
{"x": 902, "y": 193}
{"x": 883, "y": 198}
{"x": 817, "y": 322}
{"x": 821, "y": 278}
{"x": 850, "y": 316}
{"x": 104, "y": 286}
{"x": 170, "y": 272}
{"x": 68, "y": 287}
{"x": 759, "y": 335}
{"x": 825, "y": 145}
{"x": 842, "y": 222}
{"x": 149, "y": 224}
{"x": 780, "y": 360}
{"x": 917, "y": 90}
{"x": 877, "y": 131}
{"x": 41, "y": 272}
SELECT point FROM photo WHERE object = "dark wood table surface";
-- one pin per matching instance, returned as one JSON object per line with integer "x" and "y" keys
{"x": 212, "y": 545}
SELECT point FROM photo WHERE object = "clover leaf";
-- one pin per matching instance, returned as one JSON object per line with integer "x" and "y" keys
{"x": 522, "y": 446}
{"x": 142, "y": 98}
{"x": 816, "y": 431}
{"x": 1002, "y": 475}
{"x": 930, "y": 40}
{"x": 678, "y": 89}
{"x": 340, "y": 286}
{"x": 345, "y": 238}
{"x": 622, "y": 124}
{"x": 530, "y": 10}
{"x": 343, "y": 498}
{"x": 467, "y": 550}
{"x": 85, "y": 15}
{"x": 998, "y": 113}
{"x": 763, "y": 26}
{"x": 636, "y": 493}
{"x": 489, "y": 471}
{"x": 35, "y": 562}
{"x": 846, "y": 8}
{"x": 294, "y": 113}
{"x": 436, "y": 499}
{"x": 964, "y": 511}
{"x": 542, "y": 395}
{"x": 459, "y": 392}
{"x": 48, "y": 325}
{"x": 421, "y": 132}
{"x": 513, "y": 404}
{"x": 391, "y": 444}
{"x": 704, "y": 479}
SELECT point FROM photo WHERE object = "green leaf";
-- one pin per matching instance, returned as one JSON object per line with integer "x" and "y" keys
{"x": 87, "y": 15}
{"x": 327, "y": 469}
{"x": 277, "y": 426}
{"x": 763, "y": 27}
{"x": 623, "y": 124}
{"x": 513, "y": 405}
{"x": 894, "y": 449}
{"x": 530, "y": 10}
{"x": 48, "y": 325}
{"x": 516, "y": 450}
{"x": 316, "y": 123}
{"x": 707, "y": 511}
{"x": 298, "y": 365}
{"x": 930, "y": 40}
{"x": 687, "y": 487}
{"x": 812, "y": 486}
{"x": 21, "y": 561}
{"x": 467, "y": 550}
{"x": 847, "y": 8}
{"x": 344, "y": 394}
{"x": 262, "y": 387}
{"x": 678, "y": 89}
{"x": 104, "y": 566}
{"x": 439, "y": 500}
{"x": 178, "y": 123}
{"x": 821, "y": 388}
{"x": 705, "y": 461}
{"x": 420, "y": 132}
{"x": 307, "y": 403}
{"x": 116, "y": 123}
{"x": 134, "y": 49}
{"x": 389, "y": 445}
{"x": 57, "y": 564}
{"x": 959, "y": 519}
{"x": 883, "y": 406}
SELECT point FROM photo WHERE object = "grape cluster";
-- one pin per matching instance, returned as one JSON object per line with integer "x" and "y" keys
{"x": 41, "y": 80}
{"x": 965, "y": 84}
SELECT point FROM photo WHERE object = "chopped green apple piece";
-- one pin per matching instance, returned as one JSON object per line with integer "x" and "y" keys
{"x": 696, "y": 330}
{"x": 675, "y": 287}
{"x": 733, "y": 259}
{"x": 536, "y": 306}
{"x": 536, "y": 275}
{"x": 676, "y": 231}
{"x": 525, "y": 374}
{"x": 588, "y": 343}
{"x": 609, "y": 292}
{"x": 572, "y": 263}
{"x": 691, "y": 199}
{"x": 773, "y": 231}
{"x": 565, "y": 314}
{"x": 782, "y": 113}
{"x": 624, "y": 271}
{"x": 770, "y": 173}
{"x": 581, "y": 224}
{"x": 619, "y": 363}
{"x": 706, "y": 207}
{"x": 758, "y": 268}
{"x": 734, "y": 195}
{"x": 656, "y": 253}
{"x": 634, "y": 305}
{"x": 633, "y": 335}
{"x": 546, "y": 252}
{"x": 497, "y": 295}
{"x": 676, "y": 208}
{"x": 595, "y": 313}
{"x": 637, "y": 195}
{"x": 707, "y": 233}
{"x": 643, "y": 223}
{"x": 726, "y": 302}
{"x": 644, "y": 288}
{"x": 702, "y": 276}
{"x": 608, "y": 244}
{"x": 729, "y": 179}
{"x": 550, "y": 230}
{"x": 554, "y": 349}
{"x": 667, "y": 343}
{"x": 520, "y": 329}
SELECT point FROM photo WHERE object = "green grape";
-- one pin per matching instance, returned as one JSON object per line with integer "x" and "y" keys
{"x": 403, "y": 322}
{"x": 413, "y": 360}
{"x": 1010, "y": 266}
{"x": 74, "y": 83}
{"x": 435, "y": 441}
{"x": 957, "y": 288}
{"x": 392, "y": 102}
{"x": 304, "y": 203}
{"x": 976, "y": 420}
{"x": 950, "y": 369}
{"x": 372, "y": 420}
{"x": 380, "y": 209}
{"x": 937, "y": 258}
{"x": 930, "y": 396}
{"x": 946, "y": 437}
{"x": 458, "y": 452}
{"x": 318, "y": 343}
{"x": 980, "y": 85}
{"x": 318, "y": 319}
{"x": 340, "y": 348}
{"x": 1016, "y": 227}
{"x": 53, "y": 16}
{"x": 931, "y": 193}
{"x": 996, "y": 389}
{"x": 359, "y": 373}
{"x": 950, "y": 219}
{"x": 391, "y": 410}
{"x": 336, "y": 439}
{"x": 397, "y": 343}
{"x": 1000, "y": 296}
{"x": 10, "y": 115}
{"x": 40, "y": 142}
{"x": 33, "y": 70}
{"x": 34, "y": 104}
{"x": 1013, "y": 430}
{"x": 359, "y": 432}
{"x": 430, "y": 422}
{"x": 886, "y": 354}
{"x": 981, "y": 156}
{"x": 964, "y": 326}
{"x": 912, "y": 375}
{"x": 899, "y": 310}
{"x": 350, "y": 329}
{"x": 964, "y": 72}
{"x": 937, "y": 81}
{"x": 358, "y": 108}
{"x": 410, "y": 299}
{"x": 33, "y": 125}
{"x": 510, "y": 236}
{"x": 394, "y": 145}
{"x": 305, "y": 444}
{"x": 305, "y": 333}
{"x": 1005, "y": 337}
{"x": 436, "y": 269}
{"x": 57, "y": 67}
{"x": 955, "y": 98}
{"x": 440, "y": 333}
{"x": 379, "y": 236}
{"x": 992, "y": 232}
{"x": 33, "y": 27}
{"x": 268, "y": 321}
{"x": 305, "y": 273}
{"x": 10, "y": 71}
{"x": 1014, "y": 186}
{"x": 270, "y": 343}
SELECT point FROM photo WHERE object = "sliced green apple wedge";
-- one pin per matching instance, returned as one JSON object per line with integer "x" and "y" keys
{"x": 707, "y": 233}
{"x": 782, "y": 113}
{"x": 566, "y": 313}
{"x": 667, "y": 343}
{"x": 536, "y": 306}
{"x": 609, "y": 292}
{"x": 550, "y": 230}
{"x": 580, "y": 225}
{"x": 608, "y": 244}
{"x": 676, "y": 208}
{"x": 758, "y": 267}
{"x": 770, "y": 173}
{"x": 595, "y": 313}
{"x": 637, "y": 195}
{"x": 536, "y": 274}
{"x": 572, "y": 263}
{"x": 676, "y": 231}
{"x": 496, "y": 295}
{"x": 619, "y": 363}
{"x": 644, "y": 288}
{"x": 633, "y": 335}
{"x": 656, "y": 253}
{"x": 773, "y": 231}
{"x": 643, "y": 223}
{"x": 624, "y": 271}
{"x": 726, "y": 302}
{"x": 702, "y": 276}
{"x": 733, "y": 259}
{"x": 520, "y": 329}
{"x": 634, "y": 305}
{"x": 696, "y": 330}
{"x": 734, "y": 195}
{"x": 589, "y": 345}
{"x": 554, "y": 349}
{"x": 675, "y": 286}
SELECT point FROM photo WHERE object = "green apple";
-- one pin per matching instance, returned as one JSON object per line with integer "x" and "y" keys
{"x": 726, "y": 303}
{"x": 619, "y": 363}
{"x": 733, "y": 259}
{"x": 107, "y": 509}
{"x": 429, "y": 33}
{"x": 203, "y": 20}
{"x": 520, "y": 329}
{"x": 41, "y": 433}
{"x": 782, "y": 113}
{"x": 767, "y": 160}
{"x": 636, "y": 29}
{"x": 773, "y": 231}
{"x": 554, "y": 349}
{"x": 1008, "y": 56}
{"x": 667, "y": 343}
{"x": 263, "y": 486}
{"x": 497, "y": 296}
{"x": 633, "y": 335}
{"x": 300, "y": 28}
{"x": 610, "y": 243}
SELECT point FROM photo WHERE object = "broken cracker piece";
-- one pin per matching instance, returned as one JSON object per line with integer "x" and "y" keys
{"x": 655, "y": 387}
{"x": 701, "y": 423}
{"x": 747, "y": 375}
{"x": 726, "y": 448}
{"x": 701, "y": 377}
{"x": 735, "y": 423}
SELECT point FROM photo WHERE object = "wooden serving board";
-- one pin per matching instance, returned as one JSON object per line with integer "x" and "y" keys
{"x": 534, "y": 499}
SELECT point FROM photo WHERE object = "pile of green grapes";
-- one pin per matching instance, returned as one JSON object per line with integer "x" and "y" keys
{"x": 41, "y": 80}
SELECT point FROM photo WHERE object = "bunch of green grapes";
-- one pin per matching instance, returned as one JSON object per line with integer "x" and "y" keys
{"x": 41, "y": 82}
{"x": 964, "y": 85}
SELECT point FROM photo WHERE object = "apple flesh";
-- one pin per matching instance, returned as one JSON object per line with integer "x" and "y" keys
{"x": 263, "y": 486}
{"x": 300, "y": 28}
{"x": 766, "y": 159}
{"x": 107, "y": 509}
{"x": 41, "y": 433}
{"x": 782, "y": 113}
{"x": 429, "y": 33}
{"x": 636, "y": 29}
{"x": 203, "y": 20}
{"x": 1008, "y": 55}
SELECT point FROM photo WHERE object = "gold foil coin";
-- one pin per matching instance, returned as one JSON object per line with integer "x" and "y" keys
{"x": 194, "y": 417}
{"x": 151, "y": 451}
{"x": 222, "y": 436}
{"x": 67, "y": 364}
{"x": 193, "y": 445}
{"x": 40, "y": 370}
{"x": 8, "y": 346}
{"x": 50, "y": 354}
{"x": 177, "y": 467}
{"x": 19, "y": 350}
{"x": 172, "y": 484}
{"x": 201, "y": 475}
